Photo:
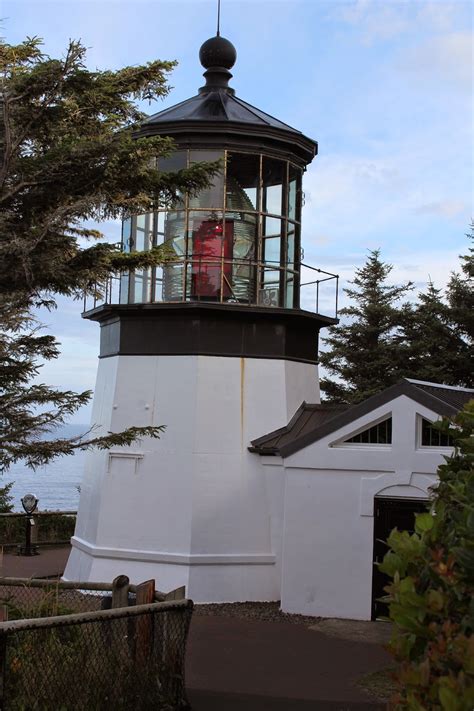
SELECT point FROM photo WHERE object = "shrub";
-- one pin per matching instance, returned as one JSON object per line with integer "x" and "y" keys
{"x": 431, "y": 596}
{"x": 51, "y": 527}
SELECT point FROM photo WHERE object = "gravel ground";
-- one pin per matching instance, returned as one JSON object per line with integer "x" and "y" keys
{"x": 261, "y": 611}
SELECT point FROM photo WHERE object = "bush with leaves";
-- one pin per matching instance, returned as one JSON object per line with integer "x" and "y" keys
{"x": 431, "y": 597}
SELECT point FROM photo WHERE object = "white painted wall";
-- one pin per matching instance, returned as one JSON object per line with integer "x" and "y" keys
{"x": 327, "y": 538}
{"x": 193, "y": 507}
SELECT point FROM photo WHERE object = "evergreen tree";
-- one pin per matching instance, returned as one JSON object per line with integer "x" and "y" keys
{"x": 460, "y": 296}
{"x": 68, "y": 153}
{"x": 364, "y": 352}
{"x": 434, "y": 348}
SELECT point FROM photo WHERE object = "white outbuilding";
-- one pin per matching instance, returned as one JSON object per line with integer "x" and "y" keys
{"x": 339, "y": 479}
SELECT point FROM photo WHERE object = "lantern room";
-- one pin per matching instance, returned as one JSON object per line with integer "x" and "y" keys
{"x": 236, "y": 242}
{"x": 239, "y": 241}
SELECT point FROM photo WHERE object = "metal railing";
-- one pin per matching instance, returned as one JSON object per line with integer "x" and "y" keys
{"x": 216, "y": 280}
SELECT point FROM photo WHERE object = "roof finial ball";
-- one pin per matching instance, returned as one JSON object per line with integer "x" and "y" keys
{"x": 217, "y": 55}
{"x": 217, "y": 52}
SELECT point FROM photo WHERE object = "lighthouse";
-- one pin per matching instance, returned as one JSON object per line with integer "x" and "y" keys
{"x": 216, "y": 345}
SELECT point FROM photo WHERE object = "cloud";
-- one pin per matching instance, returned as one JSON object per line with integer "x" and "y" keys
{"x": 376, "y": 20}
{"x": 444, "y": 208}
{"x": 349, "y": 193}
{"x": 441, "y": 16}
{"x": 446, "y": 58}
{"x": 382, "y": 20}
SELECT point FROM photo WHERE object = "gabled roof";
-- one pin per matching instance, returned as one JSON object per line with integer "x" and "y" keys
{"x": 313, "y": 422}
{"x": 306, "y": 419}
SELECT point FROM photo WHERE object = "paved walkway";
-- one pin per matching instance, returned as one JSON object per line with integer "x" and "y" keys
{"x": 50, "y": 562}
{"x": 236, "y": 665}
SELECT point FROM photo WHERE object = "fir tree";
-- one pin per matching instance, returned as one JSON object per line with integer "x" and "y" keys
{"x": 68, "y": 153}
{"x": 434, "y": 347}
{"x": 364, "y": 352}
{"x": 460, "y": 296}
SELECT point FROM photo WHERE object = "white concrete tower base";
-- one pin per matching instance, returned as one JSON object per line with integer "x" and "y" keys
{"x": 191, "y": 508}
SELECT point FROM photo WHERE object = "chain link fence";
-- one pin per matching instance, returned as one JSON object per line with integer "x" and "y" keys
{"x": 61, "y": 648}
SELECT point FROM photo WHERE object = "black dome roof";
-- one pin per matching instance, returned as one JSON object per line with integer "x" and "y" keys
{"x": 216, "y": 115}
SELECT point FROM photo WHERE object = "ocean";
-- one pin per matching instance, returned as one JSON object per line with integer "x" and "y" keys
{"x": 56, "y": 484}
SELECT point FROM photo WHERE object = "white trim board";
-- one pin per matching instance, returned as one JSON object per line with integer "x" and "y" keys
{"x": 174, "y": 558}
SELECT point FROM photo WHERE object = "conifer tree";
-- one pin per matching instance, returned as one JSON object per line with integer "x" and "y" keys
{"x": 433, "y": 345}
{"x": 68, "y": 154}
{"x": 363, "y": 352}
{"x": 460, "y": 295}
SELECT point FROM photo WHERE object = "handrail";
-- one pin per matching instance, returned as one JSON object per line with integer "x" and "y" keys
{"x": 253, "y": 283}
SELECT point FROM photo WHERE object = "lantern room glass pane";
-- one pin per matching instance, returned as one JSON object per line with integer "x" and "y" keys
{"x": 271, "y": 250}
{"x": 175, "y": 232}
{"x": 140, "y": 287}
{"x": 271, "y": 226}
{"x": 290, "y": 246}
{"x": 126, "y": 234}
{"x": 210, "y": 243}
{"x": 290, "y": 290}
{"x": 214, "y": 195}
{"x": 294, "y": 193}
{"x": 160, "y": 227}
{"x": 176, "y": 161}
{"x": 143, "y": 232}
{"x": 158, "y": 294}
{"x": 196, "y": 220}
{"x": 124, "y": 281}
{"x": 273, "y": 180}
{"x": 269, "y": 293}
{"x": 242, "y": 183}
{"x": 245, "y": 230}
{"x": 175, "y": 238}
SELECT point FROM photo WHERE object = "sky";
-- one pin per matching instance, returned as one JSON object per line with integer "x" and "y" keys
{"x": 384, "y": 86}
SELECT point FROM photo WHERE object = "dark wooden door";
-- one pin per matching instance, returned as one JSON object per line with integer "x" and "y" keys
{"x": 389, "y": 514}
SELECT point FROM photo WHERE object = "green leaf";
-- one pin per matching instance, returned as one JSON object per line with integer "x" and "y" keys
{"x": 465, "y": 557}
{"x": 391, "y": 564}
{"x": 449, "y": 699}
{"x": 435, "y": 600}
{"x": 424, "y": 522}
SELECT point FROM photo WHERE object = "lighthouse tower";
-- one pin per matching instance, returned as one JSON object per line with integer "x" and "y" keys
{"x": 215, "y": 346}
